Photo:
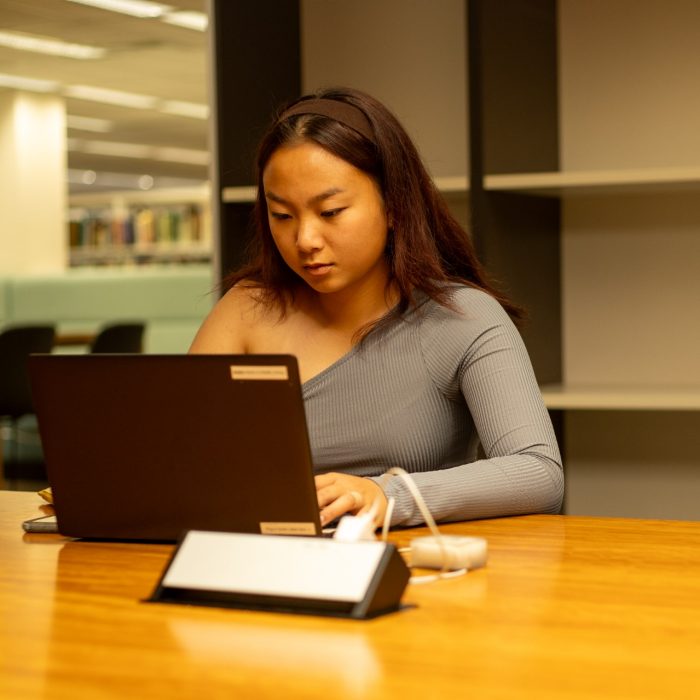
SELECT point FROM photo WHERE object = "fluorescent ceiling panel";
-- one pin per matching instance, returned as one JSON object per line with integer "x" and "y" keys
{"x": 189, "y": 20}
{"x": 181, "y": 155}
{"x": 17, "y": 82}
{"x": 115, "y": 97}
{"x": 135, "y": 8}
{"x": 73, "y": 121}
{"x": 185, "y": 109}
{"x": 47, "y": 45}
{"x": 110, "y": 148}
{"x": 116, "y": 149}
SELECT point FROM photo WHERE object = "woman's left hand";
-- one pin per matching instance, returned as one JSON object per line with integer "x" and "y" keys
{"x": 342, "y": 493}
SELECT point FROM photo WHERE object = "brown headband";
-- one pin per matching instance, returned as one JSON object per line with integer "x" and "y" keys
{"x": 342, "y": 112}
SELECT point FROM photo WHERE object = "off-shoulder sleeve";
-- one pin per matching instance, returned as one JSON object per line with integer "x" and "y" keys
{"x": 478, "y": 352}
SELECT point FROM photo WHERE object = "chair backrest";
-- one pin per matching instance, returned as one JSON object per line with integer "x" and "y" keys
{"x": 16, "y": 344}
{"x": 119, "y": 338}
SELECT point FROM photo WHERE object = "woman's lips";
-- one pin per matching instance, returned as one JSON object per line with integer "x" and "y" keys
{"x": 318, "y": 269}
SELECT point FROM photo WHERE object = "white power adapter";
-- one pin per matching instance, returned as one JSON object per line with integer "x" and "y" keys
{"x": 449, "y": 552}
{"x": 355, "y": 528}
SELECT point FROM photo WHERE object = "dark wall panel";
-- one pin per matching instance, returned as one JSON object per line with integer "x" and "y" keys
{"x": 513, "y": 110}
{"x": 257, "y": 66}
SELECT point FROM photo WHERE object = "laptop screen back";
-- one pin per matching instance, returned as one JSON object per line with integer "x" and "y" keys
{"x": 147, "y": 446}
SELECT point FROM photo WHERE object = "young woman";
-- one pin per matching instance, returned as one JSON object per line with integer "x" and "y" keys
{"x": 408, "y": 355}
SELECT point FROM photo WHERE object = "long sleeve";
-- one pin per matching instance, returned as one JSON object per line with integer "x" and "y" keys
{"x": 522, "y": 471}
{"x": 423, "y": 395}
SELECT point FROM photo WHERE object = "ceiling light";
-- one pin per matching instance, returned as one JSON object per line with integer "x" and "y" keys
{"x": 88, "y": 177}
{"x": 182, "y": 155}
{"x": 77, "y": 177}
{"x": 190, "y": 156}
{"x": 185, "y": 109}
{"x": 17, "y": 82}
{"x": 129, "y": 181}
{"x": 115, "y": 97}
{"x": 103, "y": 179}
{"x": 145, "y": 182}
{"x": 47, "y": 45}
{"x": 73, "y": 121}
{"x": 135, "y": 8}
{"x": 111, "y": 148}
{"x": 188, "y": 20}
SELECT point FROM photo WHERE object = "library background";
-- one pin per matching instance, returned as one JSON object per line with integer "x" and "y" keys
{"x": 563, "y": 134}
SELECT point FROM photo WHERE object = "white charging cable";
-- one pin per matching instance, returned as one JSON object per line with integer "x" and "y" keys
{"x": 445, "y": 571}
{"x": 437, "y": 552}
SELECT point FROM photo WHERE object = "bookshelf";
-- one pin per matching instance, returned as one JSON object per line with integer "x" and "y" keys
{"x": 607, "y": 234}
{"x": 622, "y": 398}
{"x": 616, "y": 188}
{"x": 595, "y": 185}
{"x": 155, "y": 227}
{"x": 639, "y": 180}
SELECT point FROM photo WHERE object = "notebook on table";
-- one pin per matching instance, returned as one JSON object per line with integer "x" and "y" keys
{"x": 147, "y": 446}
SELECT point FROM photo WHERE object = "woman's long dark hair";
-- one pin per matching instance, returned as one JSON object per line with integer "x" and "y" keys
{"x": 427, "y": 248}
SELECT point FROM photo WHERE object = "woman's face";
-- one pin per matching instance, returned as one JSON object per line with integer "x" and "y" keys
{"x": 327, "y": 219}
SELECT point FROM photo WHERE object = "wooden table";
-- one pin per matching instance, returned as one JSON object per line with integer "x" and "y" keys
{"x": 568, "y": 607}
{"x": 75, "y": 338}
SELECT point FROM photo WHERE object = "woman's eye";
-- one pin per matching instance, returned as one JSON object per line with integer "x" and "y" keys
{"x": 330, "y": 213}
{"x": 279, "y": 216}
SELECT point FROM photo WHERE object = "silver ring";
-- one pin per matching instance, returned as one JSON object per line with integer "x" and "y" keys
{"x": 356, "y": 497}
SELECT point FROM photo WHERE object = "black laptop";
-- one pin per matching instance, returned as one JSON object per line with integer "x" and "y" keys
{"x": 144, "y": 447}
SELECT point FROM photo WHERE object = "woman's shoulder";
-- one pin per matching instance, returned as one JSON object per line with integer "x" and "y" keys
{"x": 467, "y": 318}
{"x": 245, "y": 294}
{"x": 234, "y": 319}
{"x": 469, "y": 305}
{"x": 468, "y": 327}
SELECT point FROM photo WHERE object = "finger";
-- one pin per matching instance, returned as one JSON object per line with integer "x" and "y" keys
{"x": 378, "y": 505}
{"x": 327, "y": 495}
{"x": 358, "y": 499}
{"x": 323, "y": 480}
{"x": 341, "y": 505}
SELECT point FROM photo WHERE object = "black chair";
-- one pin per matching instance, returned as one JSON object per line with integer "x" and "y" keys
{"x": 16, "y": 344}
{"x": 119, "y": 338}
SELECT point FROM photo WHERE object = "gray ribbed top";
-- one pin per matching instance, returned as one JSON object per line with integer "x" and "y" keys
{"x": 421, "y": 395}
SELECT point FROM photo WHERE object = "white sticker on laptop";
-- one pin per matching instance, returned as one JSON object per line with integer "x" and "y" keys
{"x": 299, "y": 528}
{"x": 260, "y": 372}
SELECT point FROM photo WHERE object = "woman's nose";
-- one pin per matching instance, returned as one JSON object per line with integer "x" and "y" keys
{"x": 308, "y": 237}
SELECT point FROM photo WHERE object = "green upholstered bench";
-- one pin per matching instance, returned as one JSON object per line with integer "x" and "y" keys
{"x": 172, "y": 301}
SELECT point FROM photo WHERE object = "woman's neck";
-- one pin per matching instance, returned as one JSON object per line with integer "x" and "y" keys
{"x": 348, "y": 311}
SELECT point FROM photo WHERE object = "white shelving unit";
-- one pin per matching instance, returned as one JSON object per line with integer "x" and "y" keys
{"x": 609, "y": 183}
{"x": 596, "y": 181}
{"x": 175, "y": 195}
{"x": 166, "y": 252}
{"x": 630, "y": 256}
{"x": 610, "y": 398}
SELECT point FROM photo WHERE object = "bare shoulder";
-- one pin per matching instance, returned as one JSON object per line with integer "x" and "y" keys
{"x": 245, "y": 300}
{"x": 232, "y": 321}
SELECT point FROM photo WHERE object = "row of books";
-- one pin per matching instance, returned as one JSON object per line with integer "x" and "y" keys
{"x": 139, "y": 226}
